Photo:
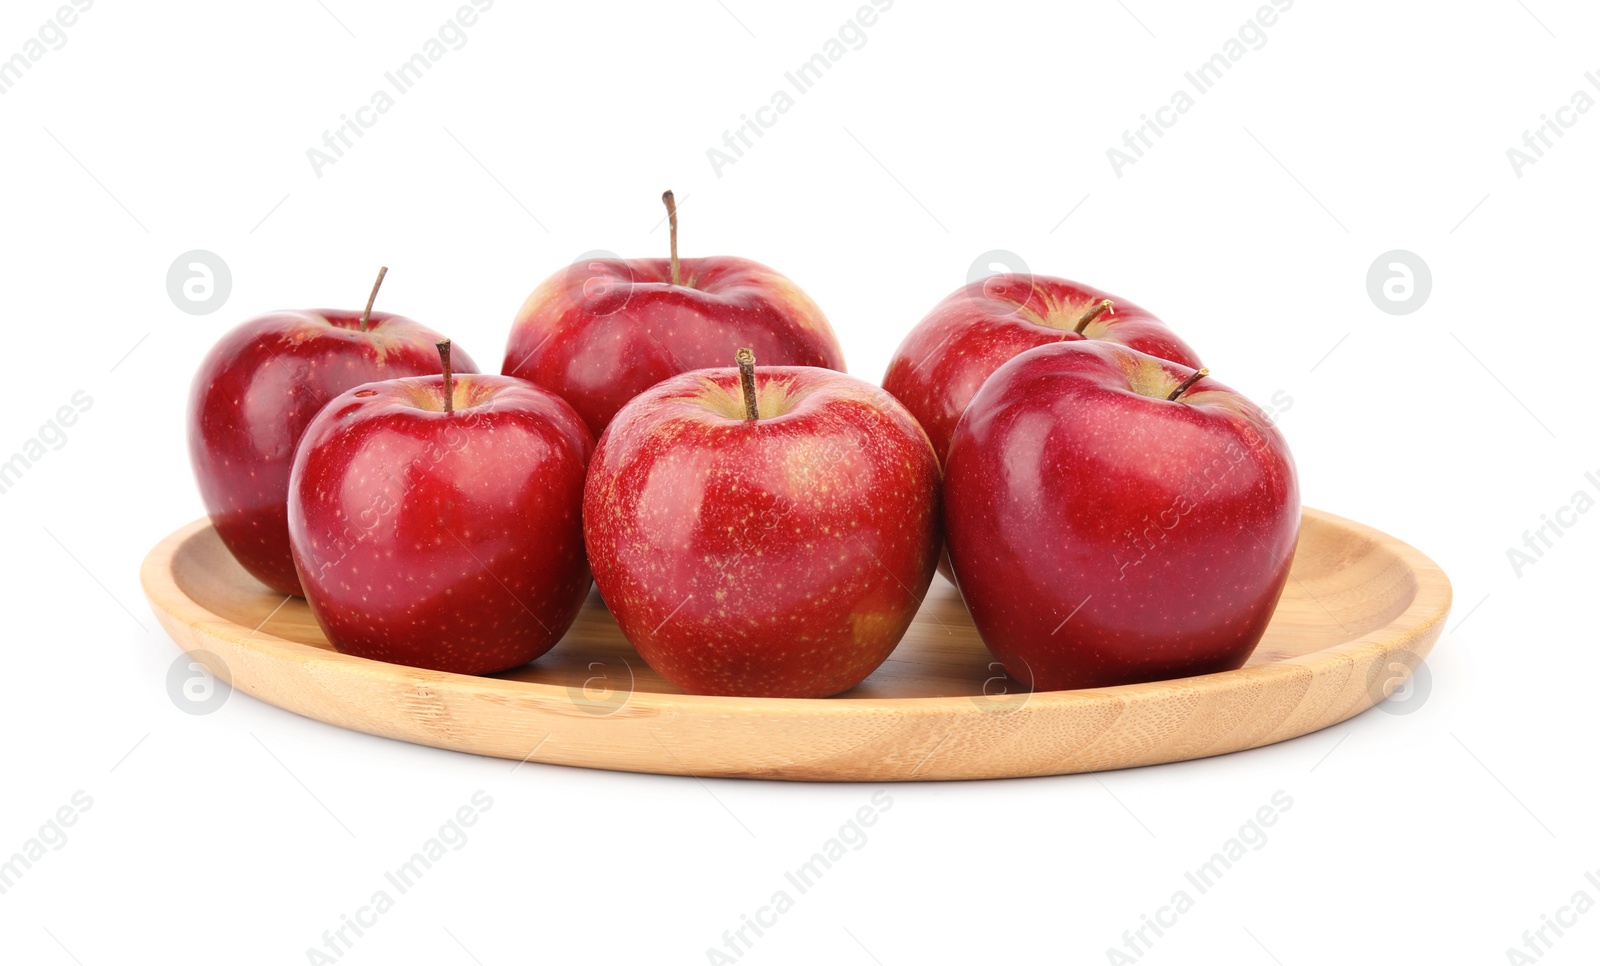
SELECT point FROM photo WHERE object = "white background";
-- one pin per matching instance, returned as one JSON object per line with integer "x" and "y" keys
{"x": 1435, "y": 836}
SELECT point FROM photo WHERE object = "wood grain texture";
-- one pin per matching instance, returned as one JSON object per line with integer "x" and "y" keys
{"x": 1361, "y": 609}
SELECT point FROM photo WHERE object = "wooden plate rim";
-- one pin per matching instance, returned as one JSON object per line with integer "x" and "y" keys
{"x": 1409, "y": 630}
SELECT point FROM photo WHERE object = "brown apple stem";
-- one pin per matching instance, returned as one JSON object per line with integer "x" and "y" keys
{"x": 1183, "y": 386}
{"x": 672, "y": 229}
{"x": 747, "y": 379}
{"x": 367, "y": 312}
{"x": 449, "y": 377}
{"x": 1104, "y": 305}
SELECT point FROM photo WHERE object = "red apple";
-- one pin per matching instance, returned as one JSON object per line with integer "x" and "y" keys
{"x": 763, "y": 532}
{"x": 601, "y": 332}
{"x": 1113, "y": 517}
{"x": 255, "y": 393}
{"x": 435, "y": 521}
{"x": 949, "y": 354}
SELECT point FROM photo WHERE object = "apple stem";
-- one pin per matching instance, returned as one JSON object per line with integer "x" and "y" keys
{"x": 1183, "y": 386}
{"x": 1104, "y": 305}
{"x": 747, "y": 380}
{"x": 367, "y": 312}
{"x": 672, "y": 229}
{"x": 449, "y": 377}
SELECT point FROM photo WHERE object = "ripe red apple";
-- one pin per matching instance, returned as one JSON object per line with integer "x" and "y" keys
{"x": 949, "y": 354}
{"x": 600, "y": 332}
{"x": 252, "y": 398}
{"x": 435, "y": 521}
{"x": 1113, "y": 517}
{"x": 763, "y": 532}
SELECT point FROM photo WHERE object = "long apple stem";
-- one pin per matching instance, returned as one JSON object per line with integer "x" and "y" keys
{"x": 1183, "y": 386}
{"x": 747, "y": 379}
{"x": 366, "y": 313}
{"x": 1104, "y": 305}
{"x": 672, "y": 229}
{"x": 449, "y": 377}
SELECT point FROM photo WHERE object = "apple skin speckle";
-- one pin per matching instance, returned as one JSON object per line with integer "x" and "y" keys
{"x": 1102, "y": 534}
{"x": 777, "y": 557}
{"x": 943, "y": 360}
{"x": 600, "y": 332}
{"x": 252, "y": 399}
{"x": 449, "y": 541}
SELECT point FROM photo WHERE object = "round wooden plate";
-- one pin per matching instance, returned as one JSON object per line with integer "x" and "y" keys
{"x": 1360, "y": 612}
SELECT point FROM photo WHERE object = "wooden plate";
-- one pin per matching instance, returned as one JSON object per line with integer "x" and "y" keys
{"x": 1360, "y": 611}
